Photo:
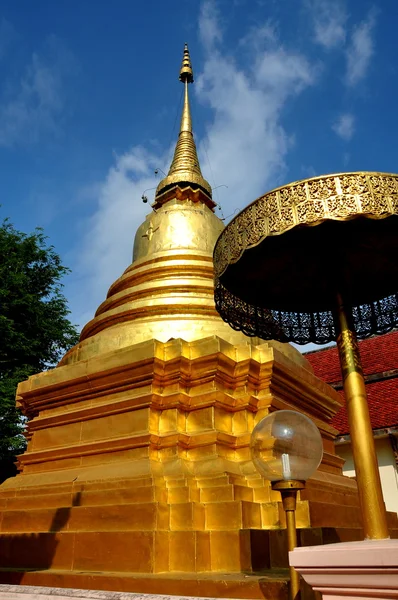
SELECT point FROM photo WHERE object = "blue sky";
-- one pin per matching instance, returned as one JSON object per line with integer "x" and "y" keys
{"x": 284, "y": 89}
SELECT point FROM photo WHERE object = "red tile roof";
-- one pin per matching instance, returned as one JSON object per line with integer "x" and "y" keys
{"x": 383, "y": 406}
{"x": 379, "y": 355}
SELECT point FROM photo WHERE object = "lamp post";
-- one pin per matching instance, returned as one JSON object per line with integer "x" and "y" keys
{"x": 316, "y": 261}
{"x": 287, "y": 448}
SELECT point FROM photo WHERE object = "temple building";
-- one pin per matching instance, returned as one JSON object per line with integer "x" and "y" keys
{"x": 380, "y": 364}
{"x": 138, "y": 473}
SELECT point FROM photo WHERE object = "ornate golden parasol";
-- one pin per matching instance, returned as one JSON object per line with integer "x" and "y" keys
{"x": 317, "y": 261}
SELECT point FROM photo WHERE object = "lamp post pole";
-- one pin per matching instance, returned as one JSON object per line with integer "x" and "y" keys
{"x": 287, "y": 448}
{"x": 288, "y": 490}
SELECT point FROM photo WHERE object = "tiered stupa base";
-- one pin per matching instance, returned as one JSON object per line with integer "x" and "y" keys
{"x": 138, "y": 469}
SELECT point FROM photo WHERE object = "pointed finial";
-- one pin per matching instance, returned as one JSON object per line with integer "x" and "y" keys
{"x": 186, "y": 73}
{"x": 185, "y": 170}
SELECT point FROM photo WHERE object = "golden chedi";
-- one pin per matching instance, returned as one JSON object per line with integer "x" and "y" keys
{"x": 138, "y": 474}
{"x": 168, "y": 290}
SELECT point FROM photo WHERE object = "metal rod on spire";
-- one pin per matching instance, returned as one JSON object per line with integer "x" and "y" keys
{"x": 186, "y": 119}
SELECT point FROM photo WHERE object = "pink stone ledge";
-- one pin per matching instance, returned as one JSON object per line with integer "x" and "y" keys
{"x": 27, "y": 592}
{"x": 357, "y": 570}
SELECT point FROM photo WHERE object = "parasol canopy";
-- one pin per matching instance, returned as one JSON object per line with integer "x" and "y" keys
{"x": 281, "y": 262}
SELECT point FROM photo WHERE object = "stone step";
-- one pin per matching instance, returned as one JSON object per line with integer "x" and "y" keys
{"x": 147, "y": 516}
{"x": 158, "y": 552}
{"x": 217, "y": 494}
{"x": 33, "y": 490}
{"x": 144, "y": 516}
{"x": 217, "y": 481}
{"x": 117, "y": 496}
{"x": 134, "y": 551}
{"x": 76, "y": 486}
{"x": 36, "y": 501}
{"x": 268, "y": 585}
{"x": 28, "y": 592}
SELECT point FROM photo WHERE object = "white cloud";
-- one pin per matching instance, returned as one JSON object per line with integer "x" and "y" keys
{"x": 360, "y": 50}
{"x": 329, "y": 22}
{"x": 32, "y": 104}
{"x": 258, "y": 35}
{"x": 209, "y": 28}
{"x": 245, "y": 142}
{"x": 344, "y": 126}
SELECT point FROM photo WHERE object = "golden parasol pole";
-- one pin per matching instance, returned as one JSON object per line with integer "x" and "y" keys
{"x": 362, "y": 442}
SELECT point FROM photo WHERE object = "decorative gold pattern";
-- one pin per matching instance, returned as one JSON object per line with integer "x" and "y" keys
{"x": 374, "y": 318}
{"x": 301, "y": 328}
{"x": 308, "y": 202}
{"x": 349, "y": 353}
{"x": 150, "y": 231}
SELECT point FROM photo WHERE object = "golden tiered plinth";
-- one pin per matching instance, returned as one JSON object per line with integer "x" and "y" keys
{"x": 137, "y": 474}
{"x": 138, "y": 462}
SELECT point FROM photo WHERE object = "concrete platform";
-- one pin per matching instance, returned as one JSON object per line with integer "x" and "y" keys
{"x": 269, "y": 585}
{"x": 18, "y": 592}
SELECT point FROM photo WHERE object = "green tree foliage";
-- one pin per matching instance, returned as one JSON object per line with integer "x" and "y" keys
{"x": 34, "y": 328}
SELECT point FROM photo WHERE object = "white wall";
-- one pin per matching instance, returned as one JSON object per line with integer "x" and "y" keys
{"x": 387, "y": 467}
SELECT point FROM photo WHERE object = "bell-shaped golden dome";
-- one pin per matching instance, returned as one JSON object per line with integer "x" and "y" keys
{"x": 168, "y": 290}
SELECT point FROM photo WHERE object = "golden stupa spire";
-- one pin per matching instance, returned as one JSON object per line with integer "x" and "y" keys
{"x": 185, "y": 169}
